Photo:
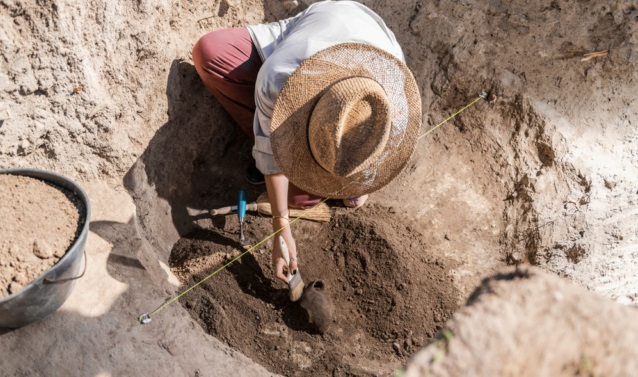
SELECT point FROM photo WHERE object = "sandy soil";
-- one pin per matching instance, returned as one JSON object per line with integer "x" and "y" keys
{"x": 544, "y": 326}
{"x": 39, "y": 225}
{"x": 545, "y": 173}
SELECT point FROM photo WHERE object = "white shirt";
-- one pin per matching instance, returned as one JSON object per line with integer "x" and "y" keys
{"x": 284, "y": 44}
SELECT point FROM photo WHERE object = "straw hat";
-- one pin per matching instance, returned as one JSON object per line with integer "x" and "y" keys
{"x": 346, "y": 121}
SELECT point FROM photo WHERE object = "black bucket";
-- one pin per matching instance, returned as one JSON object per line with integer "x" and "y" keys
{"x": 50, "y": 290}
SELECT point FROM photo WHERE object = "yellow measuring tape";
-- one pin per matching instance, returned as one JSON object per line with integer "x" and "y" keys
{"x": 146, "y": 317}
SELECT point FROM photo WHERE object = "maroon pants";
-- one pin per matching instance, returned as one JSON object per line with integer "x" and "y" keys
{"x": 228, "y": 63}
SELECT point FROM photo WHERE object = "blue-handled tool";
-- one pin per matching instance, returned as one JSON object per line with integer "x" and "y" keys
{"x": 241, "y": 212}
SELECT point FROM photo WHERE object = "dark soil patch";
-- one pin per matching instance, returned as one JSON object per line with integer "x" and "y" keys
{"x": 390, "y": 294}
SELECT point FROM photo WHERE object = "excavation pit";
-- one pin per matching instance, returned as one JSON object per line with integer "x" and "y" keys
{"x": 390, "y": 294}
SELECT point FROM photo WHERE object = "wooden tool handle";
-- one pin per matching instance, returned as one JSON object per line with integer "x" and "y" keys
{"x": 232, "y": 209}
{"x": 284, "y": 250}
{"x": 223, "y": 210}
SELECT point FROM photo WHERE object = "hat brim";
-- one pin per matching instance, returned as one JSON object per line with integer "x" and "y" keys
{"x": 294, "y": 104}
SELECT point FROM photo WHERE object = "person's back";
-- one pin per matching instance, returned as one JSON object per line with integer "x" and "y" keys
{"x": 285, "y": 44}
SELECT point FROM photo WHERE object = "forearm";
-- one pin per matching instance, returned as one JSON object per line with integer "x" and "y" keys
{"x": 277, "y": 186}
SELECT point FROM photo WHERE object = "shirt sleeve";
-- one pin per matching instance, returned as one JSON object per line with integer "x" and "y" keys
{"x": 266, "y": 91}
{"x": 262, "y": 151}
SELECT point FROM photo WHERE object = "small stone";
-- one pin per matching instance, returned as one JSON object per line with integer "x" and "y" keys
{"x": 397, "y": 348}
{"x": 42, "y": 250}
{"x": 290, "y": 4}
{"x": 14, "y": 250}
{"x": 516, "y": 256}
{"x": 15, "y": 287}
{"x": 392, "y": 210}
{"x": 21, "y": 279}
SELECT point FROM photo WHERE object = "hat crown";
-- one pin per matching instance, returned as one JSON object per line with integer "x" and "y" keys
{"x": 349, "y": 126}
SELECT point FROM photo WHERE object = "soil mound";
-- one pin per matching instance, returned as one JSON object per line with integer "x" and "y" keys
{"x": 529, "y": 323}
{"x": 379, "y": 279}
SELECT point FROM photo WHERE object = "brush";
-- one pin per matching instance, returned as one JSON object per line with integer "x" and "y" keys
{"x": 295, "y": 283}
{"x": 320, "y": 213}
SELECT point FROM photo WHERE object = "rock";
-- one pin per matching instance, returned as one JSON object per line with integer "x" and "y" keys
{"x": 14, "y": 250}
{"x": 42, "y": 250}
{"x": 15, "y": 287}
{"x": 21, "y": 279}
{"x": 290, "y": 4}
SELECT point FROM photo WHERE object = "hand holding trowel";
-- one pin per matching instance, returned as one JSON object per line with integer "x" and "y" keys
{"x": 295, "y": 283}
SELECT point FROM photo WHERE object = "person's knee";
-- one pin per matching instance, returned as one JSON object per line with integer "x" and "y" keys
{"x": 208, "y": 51}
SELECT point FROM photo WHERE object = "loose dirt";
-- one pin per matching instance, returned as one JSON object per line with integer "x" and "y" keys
{"x": 378, "y": 277}
{"x": 38, "y": 225}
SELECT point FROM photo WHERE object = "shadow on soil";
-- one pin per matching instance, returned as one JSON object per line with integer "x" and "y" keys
{"x": 195, "y": 160}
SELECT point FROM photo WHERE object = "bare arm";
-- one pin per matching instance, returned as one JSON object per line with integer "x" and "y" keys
{"x": 277, "y": 186}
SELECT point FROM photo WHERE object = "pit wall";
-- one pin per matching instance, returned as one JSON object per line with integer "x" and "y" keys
{"x": 558, "y": 135}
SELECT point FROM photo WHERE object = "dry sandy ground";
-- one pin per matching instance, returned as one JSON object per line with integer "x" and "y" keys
{"x": 544, "y": 326}
{"x": 545, "y": 173}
